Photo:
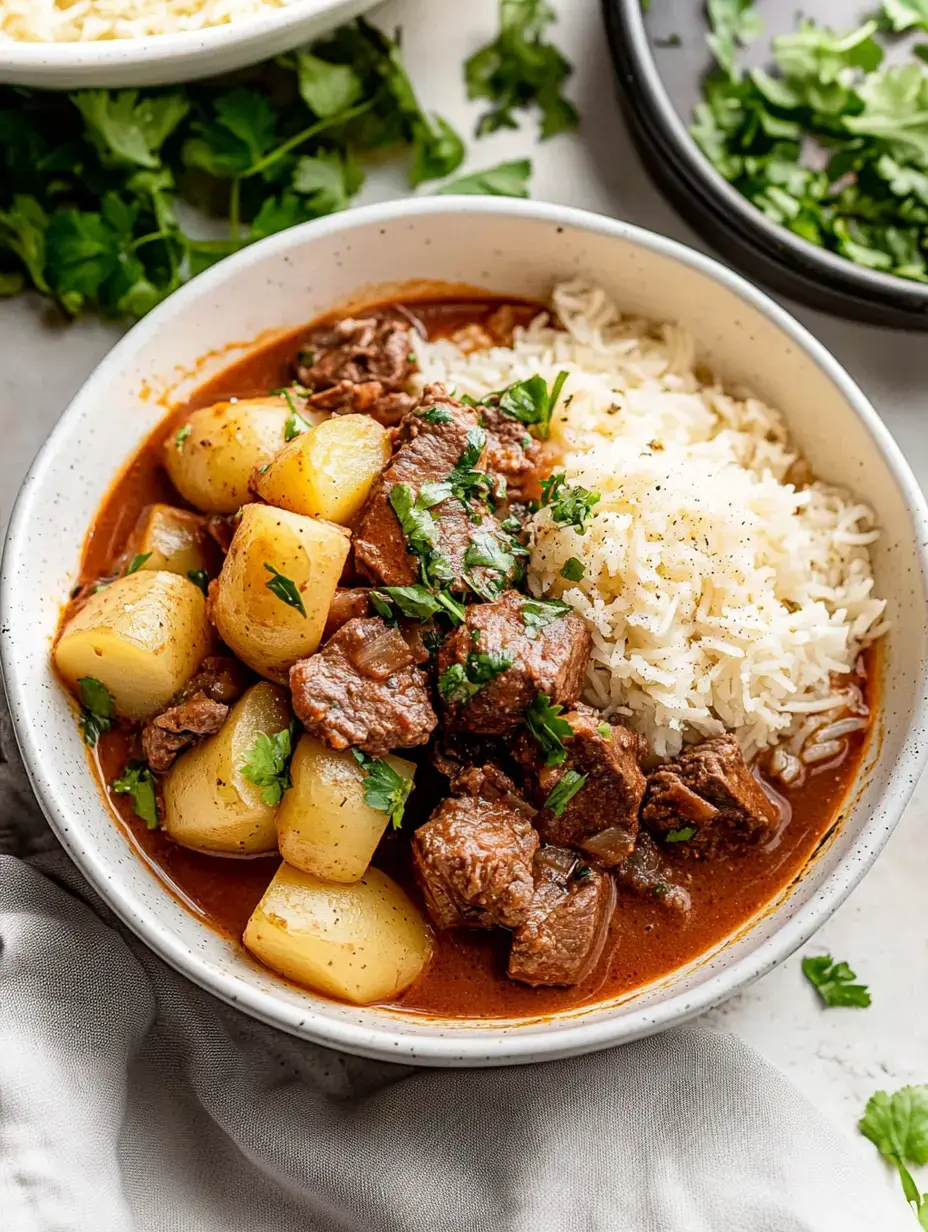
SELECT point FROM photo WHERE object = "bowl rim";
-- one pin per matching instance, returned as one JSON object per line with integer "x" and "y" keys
{"x": 459, "y": 1044}
{"x": 631, "y": 45}
{"x": 152, "y": 49}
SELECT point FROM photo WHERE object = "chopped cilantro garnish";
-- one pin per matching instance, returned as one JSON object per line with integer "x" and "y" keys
{"x": 460, "y": 682}
{"x": 437, "y": 415}
{"x": 285, "y": 590}
{"x": 200, "y": 578}
{"x": 548, "y": 728}
{"x": 570, "y": 504}
{"x": 897, "y": 1125}
{"x": 532, "y": 403}
{"x": 138, "y": 782}
{"x": 97, "y": 709}
{"x": 137, "y": 561}
{"x": 834, "y": 982}
{"x": 382, "y": 607}
{"x": 536, "y": 613}
{"x": 486, "y": 552}
{"x": 683, "y": 835}
{"x": 181, "y": 435}
{"x": 416, "y": 602}
{"x": 509, "y": 179}
{"x": 384, "y": 789}
{"x": 573, "y": 570}
{"x": 267, "y": 764}
{"x": 605, "y": 730}
{"x": 564, "y": 791}
{"x": 295, "y": 424}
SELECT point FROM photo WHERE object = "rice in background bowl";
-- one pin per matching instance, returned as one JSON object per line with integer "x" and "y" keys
{"x": 83, "y": 21}
{"x": 724, "y": 591}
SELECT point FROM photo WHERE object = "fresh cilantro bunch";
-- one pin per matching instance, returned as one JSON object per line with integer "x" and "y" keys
{"x": 90, "y": 181}
{"x": 833, "y": 146}
{"x": 897, "y": 1125}
{"x": 519, "y": 69}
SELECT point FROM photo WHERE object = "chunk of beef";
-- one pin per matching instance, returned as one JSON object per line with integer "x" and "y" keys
{"x": 601, "y": 818}
{"x": 360, "y": 365}
{"x": 363, "y": 689}
{"x": 427, "y": 452}
{"x": 646, "y": 874}
{"x": 199, "y": 710}
{"x": 489, "y": 782}
{"x": 513, "y": 454}
{"x": 550, "y": 660}
{"x": 711, "y": 790}
{"x": 564, "y": 934}
{"x": 473, "y": 860}
{"x": 347, "y": 603}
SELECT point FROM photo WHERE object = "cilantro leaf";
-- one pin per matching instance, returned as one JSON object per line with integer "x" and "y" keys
{"x": 137, "y": 561}
{"x": 384, "y": 789}
{"x": 127, "y": 129}
{"x": 200, "y": 578}
{"x": 436, "y": 415}
{"x": 138, "y": 782}
{"x": 532, "y": 403}
{"x": 416, "y": 602}
{"x": 564, "y": 791}
{"x": 285, "y": 590}
{"x": 570, "y": 505}
{"x": 267, "y": 764}
{"x": 834, "y": 982}
{"x": 459, "y": 682}
{"x": 504, "y": 180}
{"x": 573, "y": 570}
{"x": 683, "y": 835}
{"x": 485, "y": 551}
{"x": 327, "y": 89}
{"x": 98, "y": 709}
{"x": 605, "y": 730}
{"x": 180, "y": 437}
{"x": 549, "y": 730}
{"x": 418, "y": 525}
{"x": 906, "y": 14}
{"x": 897, "y": 1125}
{"x": 520, "y": 69}
{"x": 733, "y": 23}
{"x": 295, "y": 425}
{"x": 22, "y": 232}
{"x": 537, "y": 613}
{"x": 328, "y": 180}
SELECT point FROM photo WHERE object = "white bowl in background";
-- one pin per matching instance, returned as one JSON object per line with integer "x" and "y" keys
{"x": 520, "y": 248}
{"x": 165, "y": 58}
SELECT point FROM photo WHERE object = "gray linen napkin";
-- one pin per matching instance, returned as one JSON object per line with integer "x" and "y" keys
{"x": 129, "y": 1099}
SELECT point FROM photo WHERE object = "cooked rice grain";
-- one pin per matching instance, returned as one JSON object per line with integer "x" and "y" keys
{"x": 719, "y": 595}
{"x": 87, "y": 21}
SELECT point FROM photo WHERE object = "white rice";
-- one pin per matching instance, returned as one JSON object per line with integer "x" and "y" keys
{"x": 86, "y": 21}
{"x": 719, "y": 595}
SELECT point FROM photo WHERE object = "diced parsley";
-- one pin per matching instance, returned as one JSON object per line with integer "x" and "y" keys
{"x": 285, "y": 590}
{"x": 137, "y": 561}
{"x": 200, "y": 578}
{"x": 97, "y": 709}
{"x": 267, "y": 764}
{"x": 549, "y": 729}
{"x": 573, "y": 570}
{"x": 537, "y": 613}
{"x": 384, "y": 789}
{"x": 460, "y": 682}
{"x": 683, "y": 835}
{"x": 437, "y": 415}
{"x": 897, "y": 1125}
{"x": 181, "y": 435}
{"x": 532, "y": 403}
{"x": 138, "y": 782}
{"x": 834, "y": 982}
{"x": 564, "y": 791}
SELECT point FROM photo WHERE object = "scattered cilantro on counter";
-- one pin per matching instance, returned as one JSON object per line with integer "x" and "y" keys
{"x": 834, "y": 982}
{"x": 897, "y": 1125}
{"x": 509, "y": 179}
{"x": 267, "y": 764}
{"x": 384, "y": 789}
{"x": 833, "y": 145}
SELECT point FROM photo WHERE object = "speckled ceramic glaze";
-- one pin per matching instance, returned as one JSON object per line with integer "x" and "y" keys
{"x": 167, "y": 58}
{"x": 512, "y": 247}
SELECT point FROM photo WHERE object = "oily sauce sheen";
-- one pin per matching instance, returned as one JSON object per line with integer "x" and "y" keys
{"x": 467, "y": 976}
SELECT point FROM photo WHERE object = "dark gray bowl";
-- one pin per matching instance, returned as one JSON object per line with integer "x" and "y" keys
{"x": 658, "y": 87}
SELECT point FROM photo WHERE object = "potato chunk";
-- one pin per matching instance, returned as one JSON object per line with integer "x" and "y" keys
{"x": 209, "y": 804}
{"x": 175, "y": 540}
{"x": 143, "y": 636}
{"x": 211, "y": 464}
{"x": 328, "y": 471}
{"x": 361, "y": 943}
{"x": 300, "y": 557}
{"x": 324, "y": 825}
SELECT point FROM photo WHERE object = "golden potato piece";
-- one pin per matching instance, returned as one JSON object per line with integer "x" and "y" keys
{"x": 302, "y": 558}
{"x": 209, "y": 803}
{"x": 328, "y": 471}
{"x": 175, "y": 540}
{"x": 324, "y": 825}
{"x": 211, "y": 464}
{"x": 143, "y": 637}
{"x": 361, "y": 943}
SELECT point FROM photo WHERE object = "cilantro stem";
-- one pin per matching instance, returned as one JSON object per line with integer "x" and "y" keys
{"x": 235, "y": 206}
{"x": 292, "y": 142}
{"x": 151, "y": 237}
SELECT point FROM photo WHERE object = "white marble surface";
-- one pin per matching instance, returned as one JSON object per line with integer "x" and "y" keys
{"x": 839, "y": 1057}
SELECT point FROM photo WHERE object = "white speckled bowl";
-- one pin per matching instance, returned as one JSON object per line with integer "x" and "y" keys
{"x": 165, "y": 58}
{"x": 513, "y": 247}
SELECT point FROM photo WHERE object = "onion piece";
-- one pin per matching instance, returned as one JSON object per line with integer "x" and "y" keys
{"x": 610, "y": 846}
